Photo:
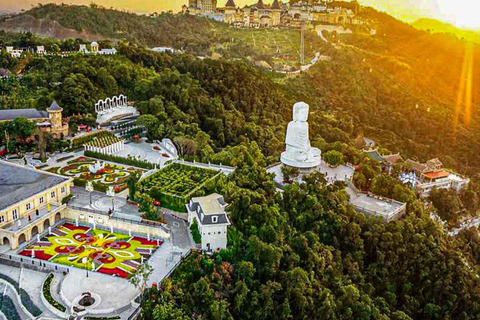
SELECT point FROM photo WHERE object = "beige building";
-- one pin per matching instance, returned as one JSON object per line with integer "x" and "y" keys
{"x": 30, "y": 202}
{"x": 50, "y": 121}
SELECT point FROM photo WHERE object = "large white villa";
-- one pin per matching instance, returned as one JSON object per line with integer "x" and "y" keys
{"x": 209, "y": 212}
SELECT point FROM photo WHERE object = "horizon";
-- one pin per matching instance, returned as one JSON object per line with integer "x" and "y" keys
{"x": 448, "y": 11}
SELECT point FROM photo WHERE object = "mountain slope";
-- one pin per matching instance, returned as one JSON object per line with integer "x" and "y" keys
{"x": 435, "y": 26}
{"x": 62, "y": 21}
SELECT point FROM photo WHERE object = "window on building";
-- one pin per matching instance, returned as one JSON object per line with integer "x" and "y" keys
{"x": 15, "y": 214}
{"x": 2, "y": 219}
{"x": 28, "y": 206}
{"x": 42, "y": 199}
{"x": 63, "y": 189}
{"x": 214, "y": 219}
{"x": 52, "y": 195}
{"x": 209, "y": 233}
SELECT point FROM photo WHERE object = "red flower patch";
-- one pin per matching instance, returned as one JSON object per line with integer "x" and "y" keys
{"x": 74, "y": 227}
{"x": 117, "y": 272}
{"x": 145, "y": 241}
{"x": 37, "y": 254}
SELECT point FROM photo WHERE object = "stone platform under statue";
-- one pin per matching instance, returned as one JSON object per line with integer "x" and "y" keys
{"x": 301, "y": 155}
{"x": 298, "y": 151}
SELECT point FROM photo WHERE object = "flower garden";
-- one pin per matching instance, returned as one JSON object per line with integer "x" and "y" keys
{"x": 115, "y": 254}
{"x": 176, "y": 183}
{"x": 111, "y": 175}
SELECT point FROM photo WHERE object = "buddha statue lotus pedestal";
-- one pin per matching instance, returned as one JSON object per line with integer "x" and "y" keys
{"x": 299, "y": 153}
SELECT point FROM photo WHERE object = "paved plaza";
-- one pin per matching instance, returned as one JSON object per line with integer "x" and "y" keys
{"x": 339, "y": 173}
{"x": 144, "y": 151}
{"x": 101, "y": 202}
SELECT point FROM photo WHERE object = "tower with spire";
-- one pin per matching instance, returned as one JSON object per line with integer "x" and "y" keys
{"x": 276, "y": 13}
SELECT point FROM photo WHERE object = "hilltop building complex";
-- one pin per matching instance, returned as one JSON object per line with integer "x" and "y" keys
{"x": 270, "y": 15}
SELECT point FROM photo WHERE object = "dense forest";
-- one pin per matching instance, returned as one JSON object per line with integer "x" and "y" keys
{"x": 304, "y": 253}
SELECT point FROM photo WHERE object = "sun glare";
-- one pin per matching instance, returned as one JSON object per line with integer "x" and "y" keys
{"x": 462, "y": 13}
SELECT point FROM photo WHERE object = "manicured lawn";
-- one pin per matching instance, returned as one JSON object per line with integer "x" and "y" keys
{"x": 111, "y": 253}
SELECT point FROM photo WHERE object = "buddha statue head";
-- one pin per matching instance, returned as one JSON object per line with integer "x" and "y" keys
{"x": 300, "y": 112}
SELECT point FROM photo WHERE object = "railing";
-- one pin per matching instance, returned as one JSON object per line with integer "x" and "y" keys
{"x": 226, "y": 169}
{"x": 31, "y": 263}
{"x": 104, "y": 213}
{"x": 142, "y": 223}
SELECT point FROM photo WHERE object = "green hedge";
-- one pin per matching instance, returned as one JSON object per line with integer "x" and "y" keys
{"x": 197, "y": 238}
{"x": 28, "y": 303}
{"x": 80, "y": 141}
{"x": 24, "y": 297}
{"x": 128, "y": 161}
{"x": 48, "y": 295}
{"x": 10, "y": 280}
{"x": 175, "y": 203}
{"x": 78, "y": 182}
{"x": 8, "y": 308}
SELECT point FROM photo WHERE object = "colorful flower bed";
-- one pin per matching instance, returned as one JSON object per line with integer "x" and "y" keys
{"x": 111, "y": 175}
{"x": 116, "y": 254}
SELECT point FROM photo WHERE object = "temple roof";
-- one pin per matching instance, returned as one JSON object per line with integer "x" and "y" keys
{"x": 275, "y": 5}
{"x": 230, "y": 3}
{"x": 260, "y": 5}
{"x": 434, "y": 175}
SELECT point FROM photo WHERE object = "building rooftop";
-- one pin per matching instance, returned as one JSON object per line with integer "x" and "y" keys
{"x": 11, "y": 114}
{"x": 393, "y": 158}
{"x": 435, "y": 162}
{"x": 54, "y": 106}
{"x": 374, "y": 155}
{"x": 434, "y": 175}
{"x": 260, "y": 4}
{"x": 417, "y": 166}
{"x": 18, "y": 183}
{"x": 230, "y": 3}
{"x": 211, "y": 206}
{"x": 275, "y": 5}
{"x": 376, "y": 205}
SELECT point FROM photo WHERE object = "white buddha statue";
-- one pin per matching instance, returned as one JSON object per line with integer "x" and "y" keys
{"x": 299, "y": 153}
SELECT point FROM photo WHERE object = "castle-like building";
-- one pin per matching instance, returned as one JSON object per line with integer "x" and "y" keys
{"x": 260, "y": 15}
{"x": 50, "y": 121}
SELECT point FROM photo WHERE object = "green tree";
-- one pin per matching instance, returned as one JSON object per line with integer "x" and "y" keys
{"x": 333, "y": 158}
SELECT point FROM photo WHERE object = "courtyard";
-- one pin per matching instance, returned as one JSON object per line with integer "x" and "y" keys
{"x": 88, "y": 169}
{"x": 97, "y": 250}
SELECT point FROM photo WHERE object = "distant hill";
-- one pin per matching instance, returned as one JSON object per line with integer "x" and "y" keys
{"x": 435, "y": 26}
{"x": 95, "y": 22}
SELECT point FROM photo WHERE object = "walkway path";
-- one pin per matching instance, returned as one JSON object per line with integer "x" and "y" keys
{"x": 472, "y": 222}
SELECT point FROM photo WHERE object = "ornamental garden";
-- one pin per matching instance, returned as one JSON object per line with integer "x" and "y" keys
{"x": 97, "y": 250}
{"x": 175, "y": 184}
{"x": 110, "y": 175}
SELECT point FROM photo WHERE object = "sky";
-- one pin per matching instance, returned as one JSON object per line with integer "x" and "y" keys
{"x": 461, "y": 13}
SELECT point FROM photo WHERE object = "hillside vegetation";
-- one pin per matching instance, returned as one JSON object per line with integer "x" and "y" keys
{"x": 304, "y": 253}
